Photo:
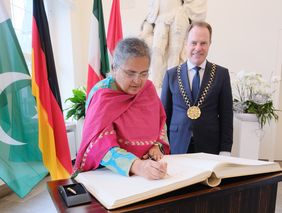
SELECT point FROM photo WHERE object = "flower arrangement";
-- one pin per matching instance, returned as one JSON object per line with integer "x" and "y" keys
{"x": 254, "y": 95}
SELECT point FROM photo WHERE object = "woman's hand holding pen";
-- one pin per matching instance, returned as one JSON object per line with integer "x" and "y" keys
{"x": 149, "y": 169}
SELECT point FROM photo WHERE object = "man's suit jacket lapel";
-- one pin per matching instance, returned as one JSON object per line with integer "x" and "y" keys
{"x": 185, "y": 80}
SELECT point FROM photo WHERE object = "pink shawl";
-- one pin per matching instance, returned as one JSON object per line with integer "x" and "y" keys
{"x": 134, "y": 123}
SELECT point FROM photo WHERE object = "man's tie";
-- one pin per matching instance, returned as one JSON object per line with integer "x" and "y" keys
{"x": 196, "y": 84}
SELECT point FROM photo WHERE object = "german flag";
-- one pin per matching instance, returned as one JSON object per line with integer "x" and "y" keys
{"x": 53, "y": 141}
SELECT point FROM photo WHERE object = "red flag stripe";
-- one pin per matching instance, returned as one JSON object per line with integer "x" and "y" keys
{"x": 94, "y": 67}
{"x": 93, "y": 78}
{"x": 115, "y": 27}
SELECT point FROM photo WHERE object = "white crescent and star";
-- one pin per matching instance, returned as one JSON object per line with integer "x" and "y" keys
{"x": 7, "y": 79}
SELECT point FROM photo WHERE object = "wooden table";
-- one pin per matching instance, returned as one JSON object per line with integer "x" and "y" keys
{"x": 255, "y": 194}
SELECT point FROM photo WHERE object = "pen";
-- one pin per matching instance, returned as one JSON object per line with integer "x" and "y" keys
{"x": 151, "y": 158}
{"x": 71, "y": 190}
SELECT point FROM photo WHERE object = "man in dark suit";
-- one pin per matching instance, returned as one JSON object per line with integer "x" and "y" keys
{"x": 197, "y": 99}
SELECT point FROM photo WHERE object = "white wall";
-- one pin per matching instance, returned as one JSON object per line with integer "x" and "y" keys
{"x": 247, "y": 35}
{"x": 133, "y": 12}
{"x": 277, "y": 149}
{"x": 58, "y": 13}
{"x": 80, "y": 22}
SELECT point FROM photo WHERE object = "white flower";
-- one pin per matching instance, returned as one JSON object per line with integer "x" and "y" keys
{"x": 251, "y": 87}
{"x": 241, "y": 75}
{"x": 252, "y": 94}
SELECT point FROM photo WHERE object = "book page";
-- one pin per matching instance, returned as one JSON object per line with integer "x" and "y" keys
{"x": 114, "y": 190}
{"x": 227, "y": 166}
{"x": 198, "y": 160}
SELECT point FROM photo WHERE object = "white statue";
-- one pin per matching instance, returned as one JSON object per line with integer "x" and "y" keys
{"x": 164, "y": 30}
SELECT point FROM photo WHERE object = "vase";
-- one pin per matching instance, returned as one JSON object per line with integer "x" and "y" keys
{"x": 250, "y": 117}
{"x": 247, "y": 136}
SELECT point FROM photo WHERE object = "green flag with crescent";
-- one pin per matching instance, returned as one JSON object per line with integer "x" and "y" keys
{"x": 21, "y": 166}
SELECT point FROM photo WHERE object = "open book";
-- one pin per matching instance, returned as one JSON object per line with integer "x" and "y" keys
{"x": 114, "y": 190}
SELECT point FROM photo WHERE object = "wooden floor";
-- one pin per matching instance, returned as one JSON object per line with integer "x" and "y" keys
{"x": 39, "y": 201}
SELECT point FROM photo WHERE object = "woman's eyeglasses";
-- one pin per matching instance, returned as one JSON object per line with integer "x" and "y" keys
{"x": 135, "y": 75}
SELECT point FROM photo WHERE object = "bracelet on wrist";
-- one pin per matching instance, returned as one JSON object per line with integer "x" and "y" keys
{"x": 161, "y": 147}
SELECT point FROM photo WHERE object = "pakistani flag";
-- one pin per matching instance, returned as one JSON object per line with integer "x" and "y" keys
{"x": 21, "y": 166}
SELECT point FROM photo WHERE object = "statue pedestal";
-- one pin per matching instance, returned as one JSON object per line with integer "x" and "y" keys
{"x": 247, "y": 136}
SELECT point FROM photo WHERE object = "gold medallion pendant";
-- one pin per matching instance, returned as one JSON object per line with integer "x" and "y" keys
{"x": 193, "y": 112}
